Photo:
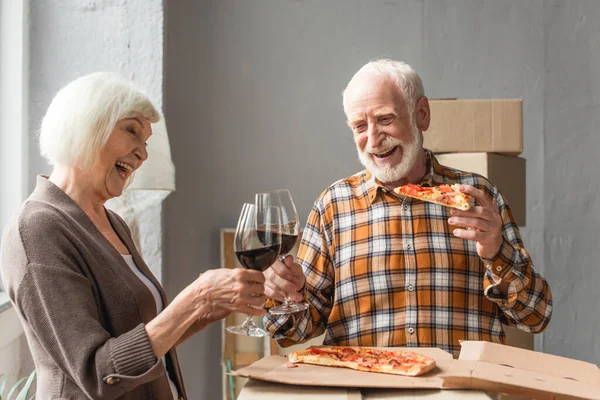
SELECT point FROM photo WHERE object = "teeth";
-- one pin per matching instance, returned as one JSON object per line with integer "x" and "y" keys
{"x": 383, "y": 152}
{"x": 126, "y": 166}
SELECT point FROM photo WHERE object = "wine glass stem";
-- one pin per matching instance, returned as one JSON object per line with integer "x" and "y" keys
{"x": 287, "y": 300}
{"x": 248, "y": 324}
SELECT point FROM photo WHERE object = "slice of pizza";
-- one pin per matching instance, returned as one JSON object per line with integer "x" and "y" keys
{"x": 406, "y": 363}
{"x": 444, "y": 195}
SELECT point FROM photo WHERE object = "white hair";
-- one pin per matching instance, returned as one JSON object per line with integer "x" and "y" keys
{"x": 407, "y": 80}
{"x": 83, "y": 114}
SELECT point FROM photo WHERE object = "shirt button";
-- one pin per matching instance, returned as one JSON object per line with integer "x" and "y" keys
{"x": 111, "y": 380}
{"x": 498, "y": 268}
{"x": 408, "y": 246}
{"x": 411, "y": 288}
{"x": 405, "y": 208}
{"x": 411, "y": 330}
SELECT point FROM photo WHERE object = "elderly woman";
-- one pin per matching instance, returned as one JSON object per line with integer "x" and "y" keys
{"x": 96, "y": 319}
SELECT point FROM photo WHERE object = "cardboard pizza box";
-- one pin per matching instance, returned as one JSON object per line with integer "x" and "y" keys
{"x": 527, "y": 360}
{"x": 275, "y": 369}
{"x": 482, "y": 366}
{"x": 505, "y": 172}
{"x": 504, "y": 369}
{"x": 492, "y": 125}
{"x": 428, "y": 394}
{"x": 261, "y": 390}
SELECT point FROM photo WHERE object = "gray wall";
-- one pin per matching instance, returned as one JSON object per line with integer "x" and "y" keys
{"x": 572, "y": 207}
{"x": 252, "y": 93}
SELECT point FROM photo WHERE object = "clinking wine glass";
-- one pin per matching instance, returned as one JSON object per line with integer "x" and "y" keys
{"x": 257, "y": 243}
{"x": 290, "y": 228}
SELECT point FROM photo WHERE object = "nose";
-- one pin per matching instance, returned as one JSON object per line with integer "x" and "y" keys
{"x": 374, "y": 136}
{"x": 141, "y": 152}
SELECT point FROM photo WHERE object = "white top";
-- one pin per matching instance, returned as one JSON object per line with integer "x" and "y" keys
{"x": 157, "y": 299}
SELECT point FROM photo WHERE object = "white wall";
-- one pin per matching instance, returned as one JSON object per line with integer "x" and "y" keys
{"x": 15, "y": 358}
{"x": 68, "y": 39}
{"x": 71, "y": 38}
{"x": 253, "y": 97}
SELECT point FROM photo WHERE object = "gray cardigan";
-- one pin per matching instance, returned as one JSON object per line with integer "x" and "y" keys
{"x": 82, "y": 308}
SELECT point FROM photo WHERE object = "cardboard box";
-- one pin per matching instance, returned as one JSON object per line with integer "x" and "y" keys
{"x": 481, "y": 366}
{"x": 261, "y": 390}
{"x": 506, "y": 173}
{"x": 274, "y": 369}
{"x": 526, "y": 360}
{"x": 518, "y": 338}
{"x": 494, "y": 126}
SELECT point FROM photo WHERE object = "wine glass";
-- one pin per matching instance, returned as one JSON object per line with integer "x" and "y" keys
{"x": 290, "y": 228}
{"x": 257, "y": 243}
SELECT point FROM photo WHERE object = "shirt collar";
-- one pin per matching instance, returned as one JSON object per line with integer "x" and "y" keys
{"x": 433, "y": 177}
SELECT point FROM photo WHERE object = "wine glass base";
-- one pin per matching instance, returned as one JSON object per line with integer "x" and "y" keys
{"x": 247, "y": 331}
{"x": 285, "y": 309}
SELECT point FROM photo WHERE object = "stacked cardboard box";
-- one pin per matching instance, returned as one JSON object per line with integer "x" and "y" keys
{"x": 484, "y": 137}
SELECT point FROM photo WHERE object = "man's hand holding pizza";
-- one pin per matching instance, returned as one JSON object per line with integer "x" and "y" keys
{"x": 481, "y": 223}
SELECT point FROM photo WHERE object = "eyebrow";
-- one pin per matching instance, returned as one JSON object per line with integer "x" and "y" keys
{"x": 385, "y": 111}
{"x": 136, "y": 119}
{"x": 379, "y": 113}
{"x": 352, "y": 121}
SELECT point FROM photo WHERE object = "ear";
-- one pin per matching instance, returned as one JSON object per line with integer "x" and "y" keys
{"x": 422, "y": 113}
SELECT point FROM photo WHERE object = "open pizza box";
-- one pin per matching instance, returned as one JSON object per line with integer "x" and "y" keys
{"x": 481, "y": 366}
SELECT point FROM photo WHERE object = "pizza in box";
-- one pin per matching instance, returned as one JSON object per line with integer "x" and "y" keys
{"x": 407, "y": 363}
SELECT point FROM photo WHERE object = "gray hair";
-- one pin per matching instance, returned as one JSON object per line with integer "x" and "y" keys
{"x": 83, "y": 114}
{"x": 408, "y": 81}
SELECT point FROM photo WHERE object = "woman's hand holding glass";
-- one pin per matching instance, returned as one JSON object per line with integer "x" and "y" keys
{"x": 224, "y": 291}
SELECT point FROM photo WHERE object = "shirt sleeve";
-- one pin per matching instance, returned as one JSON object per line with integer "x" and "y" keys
{"x": 528, "y": 303}
{"x": 314, "y": 257}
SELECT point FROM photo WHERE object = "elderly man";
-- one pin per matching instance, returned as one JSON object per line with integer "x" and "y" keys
{"x": 380, "y": 269}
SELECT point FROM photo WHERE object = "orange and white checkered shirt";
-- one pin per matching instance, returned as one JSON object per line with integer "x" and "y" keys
{"x": 385, "y": 270}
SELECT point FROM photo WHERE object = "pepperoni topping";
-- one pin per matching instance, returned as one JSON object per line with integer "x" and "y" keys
{"x": 348, "y": 351}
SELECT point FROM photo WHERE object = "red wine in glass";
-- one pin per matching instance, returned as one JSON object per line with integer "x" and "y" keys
{"x": 256, "y": 249}
{"x": 290, "y": 228}
{"x": 288, "y": 241}
{"x": 258, "y": 259}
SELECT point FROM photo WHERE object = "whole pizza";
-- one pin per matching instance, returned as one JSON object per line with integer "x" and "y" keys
{"x": 406, "y": 363}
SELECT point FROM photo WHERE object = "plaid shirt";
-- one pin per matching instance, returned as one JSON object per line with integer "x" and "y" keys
{"x": 385, "y": 270}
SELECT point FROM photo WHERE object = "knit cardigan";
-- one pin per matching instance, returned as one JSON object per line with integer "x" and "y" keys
{"x": 82, "y": 308}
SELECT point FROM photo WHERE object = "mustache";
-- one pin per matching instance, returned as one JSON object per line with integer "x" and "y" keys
{"x": 387, "y": 144}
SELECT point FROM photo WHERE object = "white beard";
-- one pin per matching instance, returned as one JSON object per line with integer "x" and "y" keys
{"x": 410, "y": 155}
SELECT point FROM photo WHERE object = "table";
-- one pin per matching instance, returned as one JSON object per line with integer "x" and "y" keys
{"x": 261, "y": 390}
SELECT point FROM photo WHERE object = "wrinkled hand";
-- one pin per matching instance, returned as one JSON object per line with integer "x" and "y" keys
{"x": 227, "y": 290}
{"x": 214, "y": 315}
{"x": 284, "y": 278}
{"x": 482, "y": 223}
